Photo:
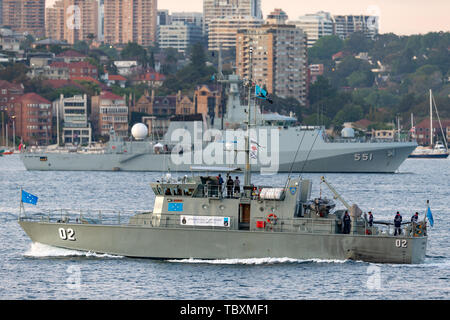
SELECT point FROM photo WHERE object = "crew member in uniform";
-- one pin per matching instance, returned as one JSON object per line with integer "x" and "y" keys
{"x": 370, "y": 219}
{"x": 347, "y": 223}
{"x": 415, "y": 218}
{"x": 397, "y": 224}
{"x": 237, "y": 186}
{"x": 230, "y": 184}
{"x": 370, "y": 223}
{"x": 414, "y": 222}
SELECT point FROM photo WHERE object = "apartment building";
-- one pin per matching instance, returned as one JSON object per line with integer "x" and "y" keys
{"x": 72, "y": 20}
{"x": 33, "y": 122}
{"x": 315, "y": 26}
{"x": 279, "y": 59}
{"x": 25, "y": 16}
{"x": 179, "y": 35}
{"x": 214, "y": 9}
{"x": 109, "y": 111}
{"x": 345, "y": 25}
{"x": 73, "y": 111}
{"x": 130, "y": 21}
{"x": 321, "y": 24}
{"x": 222, "y": 31}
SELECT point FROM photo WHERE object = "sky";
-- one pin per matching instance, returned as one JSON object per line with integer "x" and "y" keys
{"x": 402, "y": 17}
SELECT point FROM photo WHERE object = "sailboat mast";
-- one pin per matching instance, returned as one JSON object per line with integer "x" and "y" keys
{"x": 431, "y": 119}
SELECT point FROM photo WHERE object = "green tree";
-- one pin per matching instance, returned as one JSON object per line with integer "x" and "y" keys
{"x": 81, "y": 46}
{"x": 320, "y": 89}
{"x": 134, "y": 51}
{"x": 349, "y": 113}
{"x": 357, "y": 42}
{"x": 198, "y": 57}
{"x": 324, "y": 48}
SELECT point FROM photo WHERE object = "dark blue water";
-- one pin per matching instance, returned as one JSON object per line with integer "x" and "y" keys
{"x": 36, "y": 271}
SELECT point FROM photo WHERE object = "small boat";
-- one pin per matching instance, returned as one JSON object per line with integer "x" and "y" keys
{"x": 6, "y": 152}
{"x": 438, "y": 152}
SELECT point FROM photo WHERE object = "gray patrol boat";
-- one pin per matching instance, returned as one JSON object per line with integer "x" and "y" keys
{"x": 278, "y": 139}
{"x": 195, "y": 217}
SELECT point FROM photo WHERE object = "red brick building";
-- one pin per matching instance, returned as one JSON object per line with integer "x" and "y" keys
{"x": 109, "y": 111}
{"x": 9, "y": 92}
{"x": 422, "y": 131}
{"x": 33, "y": 120}
{"x": 77, "y": 69}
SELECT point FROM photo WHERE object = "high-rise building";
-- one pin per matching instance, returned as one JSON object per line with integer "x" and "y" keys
{"x": 163, "y": 17}
{"x": 222, "y": 31}
{"x": 188, "y": 17}
{"x": 348, "y": 24}
{"x": 179, "y": 35}
{"x": 315, "y": 26}
{"x": 73, "y": 20}
{"x": 217, "y": 9}
{"x": 277, "y": 16}
{"x": 130, "y": 21}
{"x": 25, "y": 16}
{"x": 279, "y": 61}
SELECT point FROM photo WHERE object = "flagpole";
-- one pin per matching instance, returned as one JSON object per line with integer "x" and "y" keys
{"x": 426, "y": 211}
{"x": 21, "y": 203}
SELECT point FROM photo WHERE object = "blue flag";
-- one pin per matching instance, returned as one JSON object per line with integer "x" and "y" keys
{"x": 430, "y": 216}
{"x": 29, "y": 198}
{"x": 260, "y": 92}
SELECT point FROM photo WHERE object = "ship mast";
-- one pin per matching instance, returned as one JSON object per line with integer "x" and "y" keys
{"x": 247, "y": 172}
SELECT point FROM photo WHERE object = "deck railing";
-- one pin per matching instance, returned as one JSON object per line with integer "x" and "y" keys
{"x": 173, "y": 220}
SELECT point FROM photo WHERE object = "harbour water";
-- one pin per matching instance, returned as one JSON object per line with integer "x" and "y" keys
{"x": 35, "y": 271}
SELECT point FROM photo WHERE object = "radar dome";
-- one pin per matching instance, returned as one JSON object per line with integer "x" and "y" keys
{"x": 348, "y": 133}
{"x": 139, "y": 131}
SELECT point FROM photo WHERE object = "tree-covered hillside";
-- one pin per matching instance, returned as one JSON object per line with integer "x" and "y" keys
{"x": 379, "y": 79}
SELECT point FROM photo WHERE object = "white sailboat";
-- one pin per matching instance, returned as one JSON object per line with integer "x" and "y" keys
{"x": 439, "y": 150}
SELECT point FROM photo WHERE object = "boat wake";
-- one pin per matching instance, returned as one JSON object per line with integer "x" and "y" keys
{"x": 257, "y": 261}
{"x": 39, "y": 250}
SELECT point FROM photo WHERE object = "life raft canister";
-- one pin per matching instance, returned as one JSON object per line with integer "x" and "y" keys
{"x": 272, "y": 219}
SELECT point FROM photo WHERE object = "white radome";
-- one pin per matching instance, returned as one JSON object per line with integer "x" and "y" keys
{"x": 139, "y": 131}
{"x": 348, "y": 133}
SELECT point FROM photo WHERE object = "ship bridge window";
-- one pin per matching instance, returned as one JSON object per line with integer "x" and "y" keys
{"x": 157, "y": 190}
{"x": 188, "y": 192}
{"x": 177, "y": 191}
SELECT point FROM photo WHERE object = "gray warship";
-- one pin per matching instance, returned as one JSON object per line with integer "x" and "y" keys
{"x": 195, "y": 217}
{"x": 278, "y": 138}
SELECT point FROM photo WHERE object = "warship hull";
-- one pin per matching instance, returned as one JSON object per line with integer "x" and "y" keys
{"x": 184, "y": 243}
{"x": 322, "y": 158}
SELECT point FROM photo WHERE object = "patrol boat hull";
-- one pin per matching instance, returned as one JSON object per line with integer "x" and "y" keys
{"x": 179, "y": 243}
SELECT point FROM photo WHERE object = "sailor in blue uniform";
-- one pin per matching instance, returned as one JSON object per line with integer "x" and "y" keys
{"x": 370, "y": 219}
{"x": 347, "y": 223}
{"x": 397, "y": 224}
